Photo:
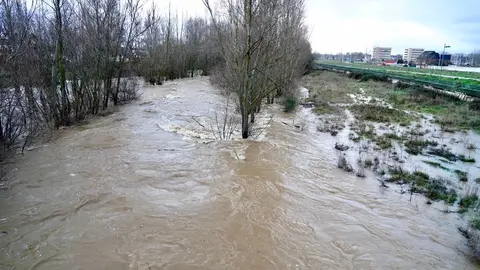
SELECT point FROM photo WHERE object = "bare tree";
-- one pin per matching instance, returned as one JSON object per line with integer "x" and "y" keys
{"x": 63, "y": 59}
{"x": 176, "y": 49}
{"x": 261, "y": 45}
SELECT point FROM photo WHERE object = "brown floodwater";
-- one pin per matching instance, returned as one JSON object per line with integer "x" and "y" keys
{"x": 148, "y": 188}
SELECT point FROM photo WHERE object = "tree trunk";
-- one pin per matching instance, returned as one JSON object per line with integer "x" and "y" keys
{"x": 245, "y": 102}
{"x": 32, "y": 106}
{"x": 244, "y": 125}
{"x": 115, "y": 96}
{"x": 252, "y": 117}
{"x": 60, "y": 67}
{"x": 2, "y": 138}
{"x": 108, "y": 91}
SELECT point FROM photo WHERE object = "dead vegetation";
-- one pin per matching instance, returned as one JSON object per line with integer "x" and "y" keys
{"x": 343, "y": 164}
{"x": 380, "y": 114}
{"x": 420, "y": 182}
{"x": 451, "y": 113}
{"x": 389, "y": 119}
{"x": 416, "y": 146}
{"x": 332, "y": 124}
{"x": 329, "y": 87}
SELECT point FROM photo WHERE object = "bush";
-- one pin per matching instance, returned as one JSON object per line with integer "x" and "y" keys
{"x": 462, "y": 176}
{"x": 475, "y": 223}
{"x": 383, "y": 142}
{"x": 374, "y": 77}
{"x": 433, "y": 189}
{"x": 128, "y": 90}
{"x": 465, "y": 159}
{"x": 436, "y": 190}
{"x": 343, "y": 164}
{"x": 415, "y": 147}
{"x": 401, "y": 85}
{"x": 468, "y": 201}
{"x": 379, "y": 114}
{"x": 443, "y": 152}
{"x": 289, "y": 104}
{"x": 436, "y": 165}
{"x": 356, "y": 75}
{"x": 368, "y": 163}
{"x": 474, "y": 105}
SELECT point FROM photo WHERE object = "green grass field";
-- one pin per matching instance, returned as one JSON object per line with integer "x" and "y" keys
{"x": 463, "y": 80}
{"x": 453, "y": 73}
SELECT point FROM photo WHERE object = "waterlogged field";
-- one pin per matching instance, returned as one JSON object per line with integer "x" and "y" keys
{"x": 409, "y": 139}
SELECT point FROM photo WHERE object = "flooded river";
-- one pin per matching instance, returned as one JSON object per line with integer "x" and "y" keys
{"x": 147, "y": 188}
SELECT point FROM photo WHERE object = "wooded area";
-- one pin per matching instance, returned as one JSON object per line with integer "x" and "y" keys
{"x": 63, "y": 60}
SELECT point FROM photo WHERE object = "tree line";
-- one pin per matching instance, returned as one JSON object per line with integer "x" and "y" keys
{"x": 64, "y": 60}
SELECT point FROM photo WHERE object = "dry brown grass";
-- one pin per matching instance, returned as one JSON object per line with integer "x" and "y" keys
{"x": 329, "y": 87}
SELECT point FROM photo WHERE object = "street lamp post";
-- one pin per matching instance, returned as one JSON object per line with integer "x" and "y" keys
{"x": 440, "y": 59}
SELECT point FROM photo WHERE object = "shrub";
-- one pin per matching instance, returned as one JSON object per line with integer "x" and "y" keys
{"x": 368, "y": 163}
{"x": 128, "y": 90}
{"x": 383, "y": 142}
{"x": 401, "y": 85}
{"x": 465, "y": 159}
{"x": 462, "y": 176}
{"x": 415, "y": 147}
{"x": 468, "y": 201}
{"x": 343, "y": 164}
{"x": 379, "y": 113}
{"x": 474, "y": 105}
{"x": 289, "y": 104}
{"x": 443, "y": 152}
{"x": 374, "y": 77}
{"x": 475, "y": 223}
{"x": 433, "y": 189}
{"x": 436, "y": 165}
{"x": 436, "y": 190}
{"x": 356, "y": 75}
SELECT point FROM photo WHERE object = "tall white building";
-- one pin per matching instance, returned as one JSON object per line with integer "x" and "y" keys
{"x": 411, "y": 54}
{"x": 382, "y": 53}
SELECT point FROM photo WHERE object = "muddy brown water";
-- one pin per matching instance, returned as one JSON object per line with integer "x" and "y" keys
{"x": 125, "y": 192}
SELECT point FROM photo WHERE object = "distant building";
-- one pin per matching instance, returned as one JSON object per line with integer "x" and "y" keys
{"x": 411, "y": 54}
{"x": 445, "y": 59}
{"x": 428, "y": 58}
{"x": 397, "y": 57}
{"x": 382, "y": 53}
{"x": 389, "y": 62}
{"x": 432, "y": 58}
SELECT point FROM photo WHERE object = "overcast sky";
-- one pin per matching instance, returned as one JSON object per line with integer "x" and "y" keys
{"x": 358, "y": 25}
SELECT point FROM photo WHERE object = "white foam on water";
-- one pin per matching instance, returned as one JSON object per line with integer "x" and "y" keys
{"x": 172, "y": 96}
{"x": 364, "y": 99}
{"x": 201, "y": 128}
{"x": 188, "y": 133}
{"x": 303, "y": 92}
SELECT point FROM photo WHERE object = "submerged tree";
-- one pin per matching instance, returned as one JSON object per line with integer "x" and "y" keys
{"x": 264, "y": 49}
